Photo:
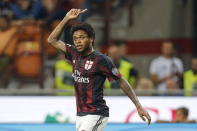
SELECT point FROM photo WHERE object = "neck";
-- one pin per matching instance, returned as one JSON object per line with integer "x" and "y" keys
{"x": 87, "y": 51}
{"x": 167, "y": 56}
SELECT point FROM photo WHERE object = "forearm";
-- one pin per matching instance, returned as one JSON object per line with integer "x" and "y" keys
{"x": 131, "y": 94}
{"x": 158, "y": 80}
{"x": 125, "y": 86}
{"x": 56, "y": 33}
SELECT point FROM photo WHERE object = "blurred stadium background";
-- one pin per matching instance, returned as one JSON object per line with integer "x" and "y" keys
{"x": 36, "y": 91}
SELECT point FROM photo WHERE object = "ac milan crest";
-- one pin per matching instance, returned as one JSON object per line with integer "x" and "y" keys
{"x": 88, "y": 64}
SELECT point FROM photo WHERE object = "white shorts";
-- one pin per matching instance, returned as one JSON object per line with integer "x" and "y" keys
{"x": 91, "y": 123}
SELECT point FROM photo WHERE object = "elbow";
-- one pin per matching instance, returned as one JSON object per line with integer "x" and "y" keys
{"x": 51, "y": 40}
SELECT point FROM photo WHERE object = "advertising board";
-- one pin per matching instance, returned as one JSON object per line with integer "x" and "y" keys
{"x": 46, "y": 109}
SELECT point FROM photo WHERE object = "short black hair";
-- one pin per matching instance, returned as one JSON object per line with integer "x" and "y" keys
{"x": 184, "y": 110}
{"x": 118, "y": 43}
{"x": 85, "y": 27}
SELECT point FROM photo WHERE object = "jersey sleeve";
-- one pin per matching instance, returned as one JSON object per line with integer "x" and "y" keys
{"x": 153, "y": 67}
{"x": 180, "y": 66}
{"x": 70, "y": 52}
{"x": 107, "y": 68}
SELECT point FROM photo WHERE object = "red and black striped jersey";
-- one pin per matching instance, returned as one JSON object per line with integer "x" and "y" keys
{"x": 89, "y": 74}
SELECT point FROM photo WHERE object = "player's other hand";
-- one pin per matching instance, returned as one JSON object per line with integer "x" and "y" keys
{"x": 144, "y": 115}
{"x": 74, "y": 13}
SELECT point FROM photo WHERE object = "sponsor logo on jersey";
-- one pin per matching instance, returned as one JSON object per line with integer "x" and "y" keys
{"x": 78, "y": 78}
{"x": 88, "y": 65}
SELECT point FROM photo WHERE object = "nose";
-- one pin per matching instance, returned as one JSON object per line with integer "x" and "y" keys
{"x": 78, "y": 41}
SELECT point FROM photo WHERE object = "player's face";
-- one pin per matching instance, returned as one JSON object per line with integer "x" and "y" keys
{"x": 167, "y": 49}
{"x": 180, "y": 116}
{"x": 114, "y": 52}
{"x": 81, "y": 40}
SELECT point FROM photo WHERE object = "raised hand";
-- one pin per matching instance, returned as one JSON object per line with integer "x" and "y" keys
{"x": 74, "y": 13}
{"x": 144, "y": 115}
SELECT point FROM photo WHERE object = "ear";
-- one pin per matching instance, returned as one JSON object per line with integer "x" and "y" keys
{"x": 91, "y": 40}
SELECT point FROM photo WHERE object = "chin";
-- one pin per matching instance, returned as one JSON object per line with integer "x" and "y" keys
{"x": 80, "y": 51}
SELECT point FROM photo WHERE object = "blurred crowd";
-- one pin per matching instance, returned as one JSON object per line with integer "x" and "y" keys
{"x": 181, "y": 116}
{"x": 24, "y": 28}
{"x": 166, "y": 72}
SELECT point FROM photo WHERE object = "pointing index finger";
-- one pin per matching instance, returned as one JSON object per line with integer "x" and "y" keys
{"x": 149, "y": 119}
{"x": 83, "y": 11}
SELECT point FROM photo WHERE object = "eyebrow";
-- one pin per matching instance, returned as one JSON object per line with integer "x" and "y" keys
{"x": 79, "y": 35}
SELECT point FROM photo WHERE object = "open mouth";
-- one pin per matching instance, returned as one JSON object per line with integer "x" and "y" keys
{"x": 79, "y": 47}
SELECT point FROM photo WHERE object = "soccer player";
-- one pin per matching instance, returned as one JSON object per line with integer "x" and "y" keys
{"x": 90, "y": 69}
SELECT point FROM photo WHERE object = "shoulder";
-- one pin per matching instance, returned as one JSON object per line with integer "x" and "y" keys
{"x": 102, "y": 57}
{"x": 157, "y": 60}
{"x": 70, "y": 48}
{"x": 187, "y": 72}
{"x": 176, "y": 59}
{"x": 125, "y": 62}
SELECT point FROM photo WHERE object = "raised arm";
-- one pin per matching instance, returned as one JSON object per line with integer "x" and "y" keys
{"x": 125, "y": 86}
{"x": 53, "y": 38}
